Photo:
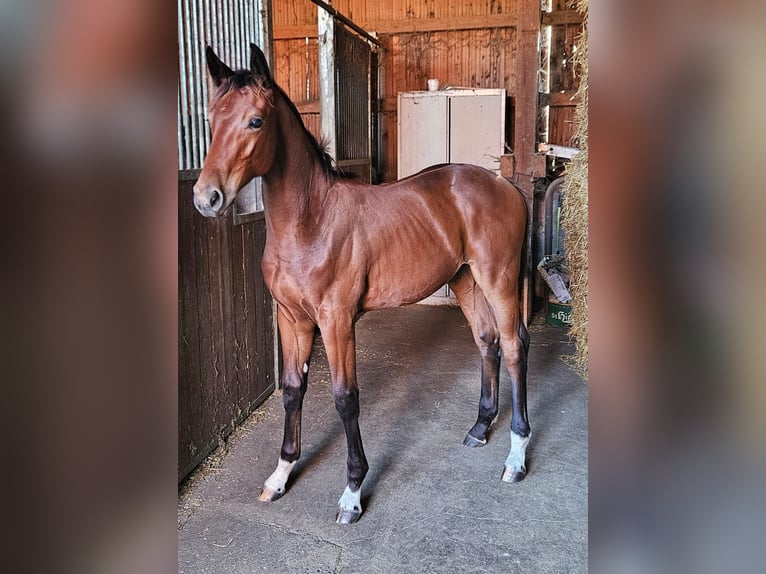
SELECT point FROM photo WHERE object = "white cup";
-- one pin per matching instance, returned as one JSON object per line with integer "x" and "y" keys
{"x": 433, "y": 85}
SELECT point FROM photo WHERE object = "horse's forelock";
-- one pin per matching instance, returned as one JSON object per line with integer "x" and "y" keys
{"x": 242, "y": 79}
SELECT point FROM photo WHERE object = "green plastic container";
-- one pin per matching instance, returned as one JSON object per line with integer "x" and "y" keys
{"x": 558, "y": 314}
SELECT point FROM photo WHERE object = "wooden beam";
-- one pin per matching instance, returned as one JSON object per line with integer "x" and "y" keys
{"x": 525, "y": 92}
{"x": 442, "y": 24}
{"x": 308, "y": 107}
{"x": 525, "y": 127}
{"x": 295, "y": 32}
{"x": 562, "y": 17}
{"x": 411, "y": 26}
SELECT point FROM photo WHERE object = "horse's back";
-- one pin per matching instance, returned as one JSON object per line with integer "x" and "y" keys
{"x": 486, "y": 204}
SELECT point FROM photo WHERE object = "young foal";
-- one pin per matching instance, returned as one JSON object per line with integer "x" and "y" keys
{"x": 336, "y": 248}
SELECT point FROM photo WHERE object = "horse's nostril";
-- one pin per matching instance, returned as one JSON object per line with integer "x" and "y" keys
{"x": 216, "y": 198}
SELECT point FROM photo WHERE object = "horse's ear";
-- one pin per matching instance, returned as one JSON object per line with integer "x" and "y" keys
{"x": 259, "y": 66}
{"x": 218, "y": 70}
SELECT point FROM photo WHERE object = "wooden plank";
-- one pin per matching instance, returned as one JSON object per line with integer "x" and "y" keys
{"x": 561, "y": 126}
{"x": 311, "y": 107}
{"x": 562, "y": 78}
{"x": 526, "y": 95}
{"x": 562, "y": 17}
{"x": 410, "y": 26}
{"x": 226, "y": 349}
{"x": 525, "y": 125}
{"x": 559, "y": 99}
{"x": 264, "y": 376}
{"x": 506, "y": 165}
{"x": 188, "y": 335}
{"x": 242, "y": 307}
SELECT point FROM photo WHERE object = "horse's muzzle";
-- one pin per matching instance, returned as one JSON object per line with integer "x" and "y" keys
{"x": 209, "y": 201}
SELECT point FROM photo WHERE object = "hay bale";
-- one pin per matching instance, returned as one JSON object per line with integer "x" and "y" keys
{"x": 574, "y": 211}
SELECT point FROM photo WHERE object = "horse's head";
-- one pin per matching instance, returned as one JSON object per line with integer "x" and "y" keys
{"x": 243, "y": 143}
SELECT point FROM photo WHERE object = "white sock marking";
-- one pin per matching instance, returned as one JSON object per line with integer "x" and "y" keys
{"x": 516, "y": 460}
{"x": 278, "y": 478}
{"x": 351, "y": 500}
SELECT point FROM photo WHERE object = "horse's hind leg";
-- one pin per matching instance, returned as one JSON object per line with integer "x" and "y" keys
{"x": 487, "y": 338}
{"x": 515, "y": 464}
{"x": 297, "y": 340}
{"x": 500, "y": 286}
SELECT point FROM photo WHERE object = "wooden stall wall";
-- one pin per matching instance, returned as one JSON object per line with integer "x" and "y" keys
{"x": 296, "y": 63}
{"x": 225, "y": 329}
{"x": 467, "y": 44}
{"x": 566, "y": 25}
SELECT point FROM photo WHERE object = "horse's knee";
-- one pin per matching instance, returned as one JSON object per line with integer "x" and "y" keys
{"x": 346, "y": 401}
{"x": 488, "y": 341}
{"x": 293, "y": 389}
{"x": 515, "y": 353}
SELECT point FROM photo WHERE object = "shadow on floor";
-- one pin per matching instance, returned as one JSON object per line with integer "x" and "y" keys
{"x": 431, "y": 505}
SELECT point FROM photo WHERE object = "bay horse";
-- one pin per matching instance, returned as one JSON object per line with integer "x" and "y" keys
{"x": 336, "y": 248}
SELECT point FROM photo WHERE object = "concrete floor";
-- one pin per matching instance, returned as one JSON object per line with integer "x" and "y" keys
{"x": 431, "y": 504}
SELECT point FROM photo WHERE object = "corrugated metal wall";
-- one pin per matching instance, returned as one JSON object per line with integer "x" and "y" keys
{"x": 229, "y": 26}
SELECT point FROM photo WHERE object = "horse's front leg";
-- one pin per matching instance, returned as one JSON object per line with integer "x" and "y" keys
{"x": 297, "y": 339}
{"x": 338, "y": 337}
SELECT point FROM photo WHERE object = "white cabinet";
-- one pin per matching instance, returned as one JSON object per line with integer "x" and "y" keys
{"x": 450, "y": 126}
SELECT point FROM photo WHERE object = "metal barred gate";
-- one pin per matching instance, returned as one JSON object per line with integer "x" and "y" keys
{"x": 348, "y": 64}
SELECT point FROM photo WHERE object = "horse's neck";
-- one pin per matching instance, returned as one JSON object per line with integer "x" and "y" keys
{"x": 297, "y": 183}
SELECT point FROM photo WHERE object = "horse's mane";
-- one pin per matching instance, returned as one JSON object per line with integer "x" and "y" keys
{"x": 246, "y": 79}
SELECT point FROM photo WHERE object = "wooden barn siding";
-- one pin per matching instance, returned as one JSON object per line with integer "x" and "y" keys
{"x": 225, "y": 330}
{"x": 296, "y": 63}
{"x": 295, "y": 13}
{"x": 483, "y": 54}
{"x": 561, "y": 117}
{"x": 461, "y": 58}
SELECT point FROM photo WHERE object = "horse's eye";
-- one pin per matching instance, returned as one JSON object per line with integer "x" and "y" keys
{"x": 255, "y": 123}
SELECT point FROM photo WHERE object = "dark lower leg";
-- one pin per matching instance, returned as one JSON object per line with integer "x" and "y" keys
{"x": 297, "y": 340}
{"x": 292, "y": 399}
{"x": 517, "y": 369}
{"x": 515, "y": 465}
{"x": 347, "y": 405}
{"x": 490, "y": 375}
{"x": 350, "y": 503}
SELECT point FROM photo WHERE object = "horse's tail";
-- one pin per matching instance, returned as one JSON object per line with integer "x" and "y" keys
{"x": 523, "y": 265}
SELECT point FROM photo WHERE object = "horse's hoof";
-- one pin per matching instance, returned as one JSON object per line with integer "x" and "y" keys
{"x": 510, "y": 475}
{"x": 269, "y": 495}
{"x": 473, "y": 442}
{"x": 346, "y": 516}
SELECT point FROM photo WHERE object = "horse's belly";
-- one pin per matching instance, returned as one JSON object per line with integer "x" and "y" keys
{"x": 408, "y": 281}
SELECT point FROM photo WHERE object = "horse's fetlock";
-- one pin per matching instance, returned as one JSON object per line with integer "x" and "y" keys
{"x": 520, "y": 427}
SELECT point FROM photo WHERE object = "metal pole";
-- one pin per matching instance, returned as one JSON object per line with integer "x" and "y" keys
{"x": 327, "y": 8}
